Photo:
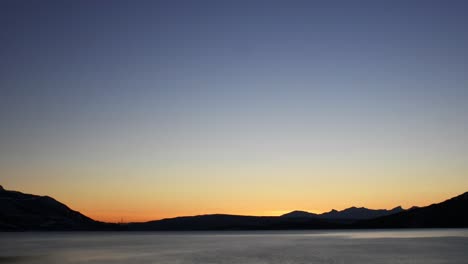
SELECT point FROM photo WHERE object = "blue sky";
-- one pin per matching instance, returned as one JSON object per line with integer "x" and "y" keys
{"x": 357, "y": 89}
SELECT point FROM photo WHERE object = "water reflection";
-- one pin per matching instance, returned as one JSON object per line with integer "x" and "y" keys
{"x": 382, "y": 246}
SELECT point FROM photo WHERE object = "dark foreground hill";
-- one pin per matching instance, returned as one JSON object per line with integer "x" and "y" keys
{"x": 451, "y": 213}
{"x": 21, "y": 212}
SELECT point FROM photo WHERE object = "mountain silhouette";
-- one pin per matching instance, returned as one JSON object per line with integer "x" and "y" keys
{"x": 352, "y": 213}
{"x": 23, "y": 212}
{"x": 299, "y": 214}
{"x": 233, "y": 222}
{"x": 20, "y": 211}
{"x": 450, "y": 213}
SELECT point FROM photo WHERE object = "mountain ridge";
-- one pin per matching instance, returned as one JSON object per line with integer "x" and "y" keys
{"x": 28, "y": 212}
{"x": 452, "y": 212}
{"x": 351, "y": 213}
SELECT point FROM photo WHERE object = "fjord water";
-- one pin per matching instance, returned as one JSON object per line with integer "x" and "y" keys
{"x": 292, "y": 247}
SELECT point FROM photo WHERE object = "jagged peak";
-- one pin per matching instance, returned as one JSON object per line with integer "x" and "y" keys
{"x": 1, "y": 188}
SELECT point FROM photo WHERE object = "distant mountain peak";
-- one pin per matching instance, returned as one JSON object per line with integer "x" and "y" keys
{"x": 299, "y": 214}
{"x": 358, "y": 213}
{"x": 351, "y": 213}
{"x": 299, "y": 211}
{"x": 1, "y": 188}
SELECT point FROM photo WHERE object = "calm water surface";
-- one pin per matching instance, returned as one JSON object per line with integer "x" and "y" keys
{"x": 396, "y": 246}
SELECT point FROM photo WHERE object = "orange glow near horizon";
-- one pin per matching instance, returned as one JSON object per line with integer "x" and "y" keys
{"x": 116, "y": 197}
{"x": 134, "y": 111}
{"x": 116, "y": 217}
{"x": 143, "y": 215}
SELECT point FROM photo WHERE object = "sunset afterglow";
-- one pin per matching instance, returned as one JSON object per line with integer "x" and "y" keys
{"x": 166, "y": 108}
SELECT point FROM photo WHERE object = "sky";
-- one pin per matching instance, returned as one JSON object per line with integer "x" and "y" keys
{"x": 141, "y": 110}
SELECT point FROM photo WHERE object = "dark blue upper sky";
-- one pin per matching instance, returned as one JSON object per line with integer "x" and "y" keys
{"x": 94, "y": 83}
{"x": 101, "y": 59}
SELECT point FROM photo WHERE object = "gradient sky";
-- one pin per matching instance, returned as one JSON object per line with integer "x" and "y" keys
{"x": 140, "y": 110}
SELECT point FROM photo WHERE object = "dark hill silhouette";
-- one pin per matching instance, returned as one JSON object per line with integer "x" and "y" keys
{"x": 299, "y": 214}
{"x": 355, "y": 213}
{"x": 232, "y": 222}
{"x": 19, "y": 211}
{"x": 352, "y": 213}
{"x": 451, "y": 213}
